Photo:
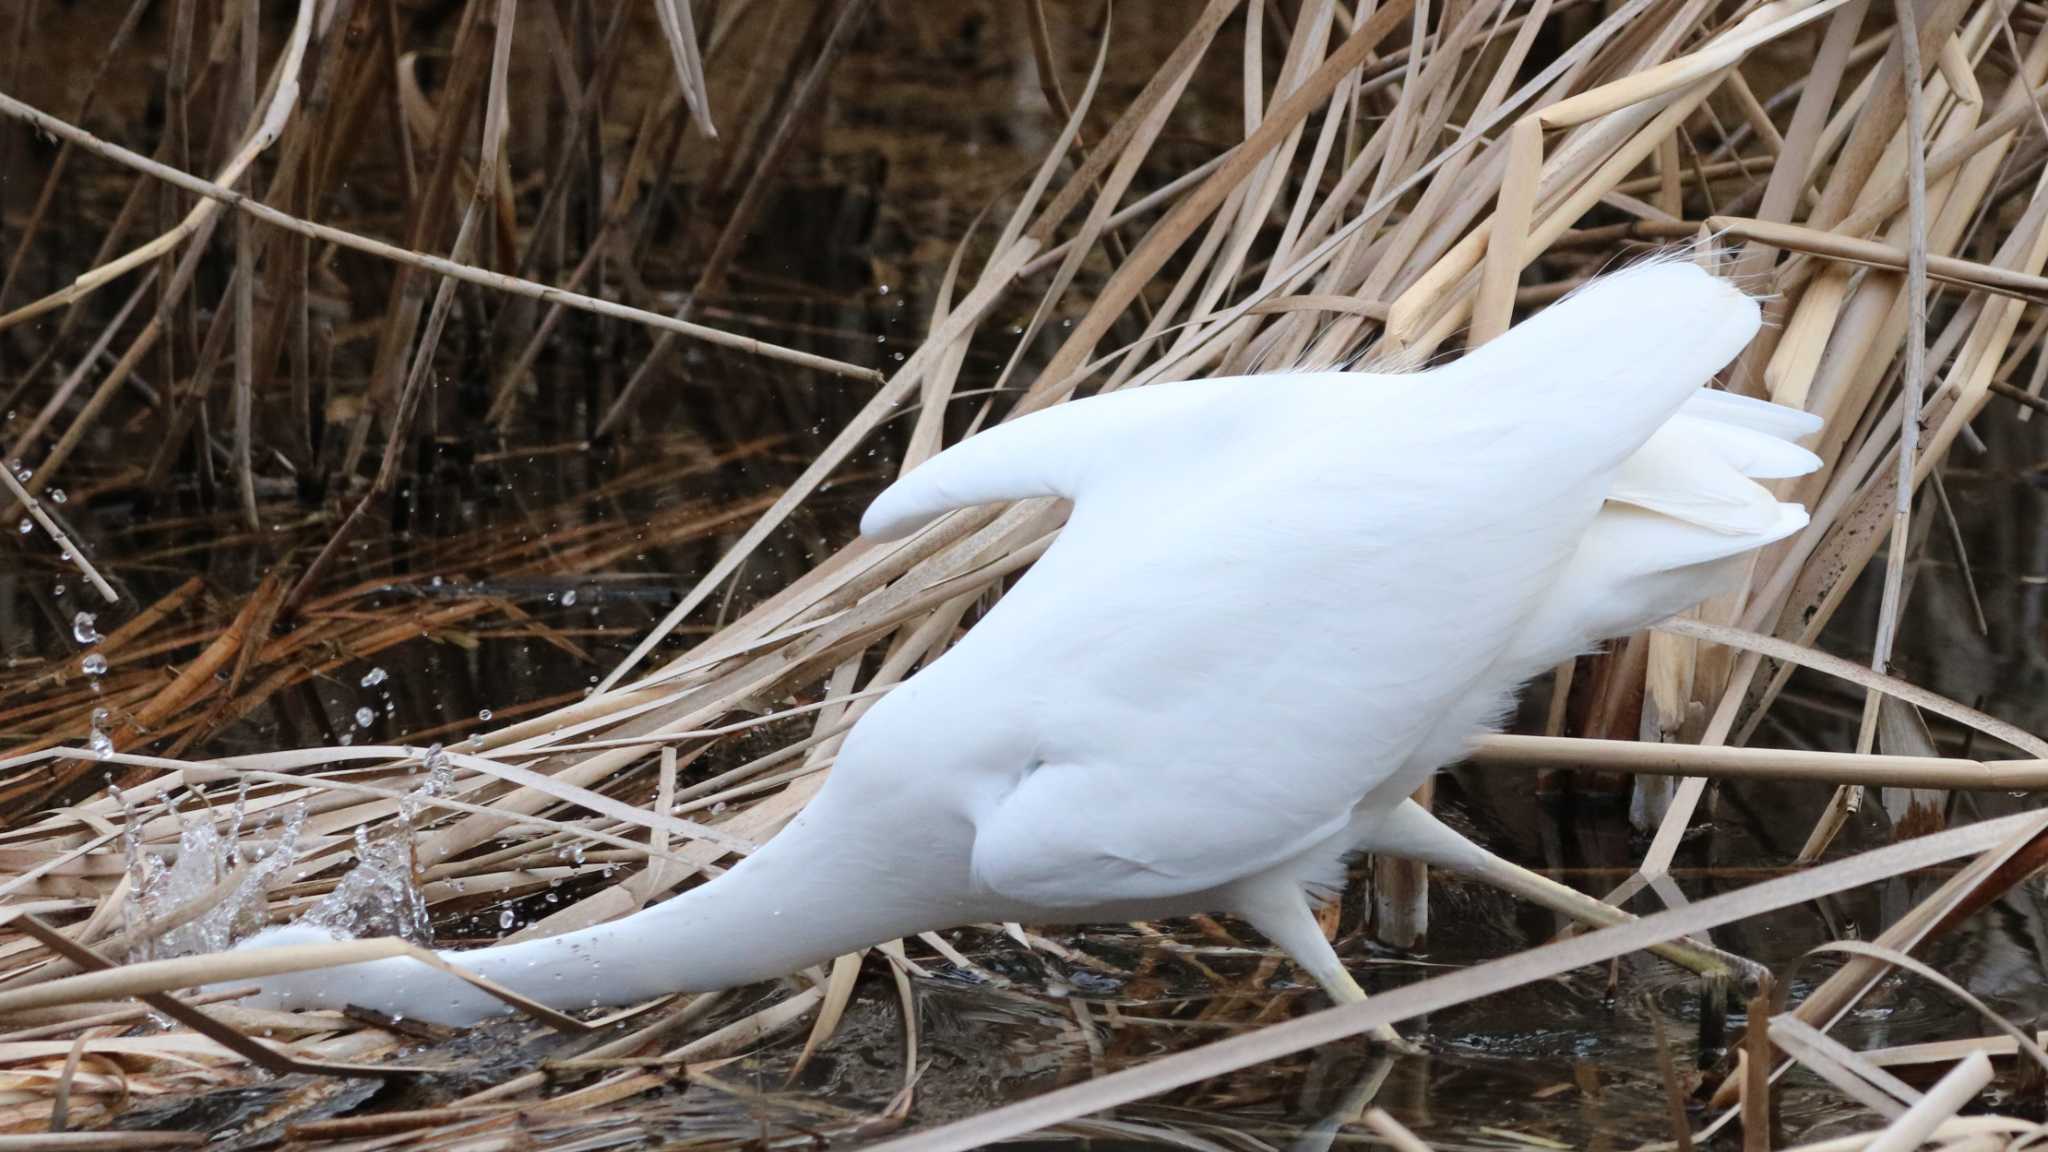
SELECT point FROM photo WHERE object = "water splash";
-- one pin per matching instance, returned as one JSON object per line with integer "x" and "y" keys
{"x": 377, "y": 897}
{"x": 157, "y": 913}
{"x": 440, "y": 778}
{"x": 82, "y": 629}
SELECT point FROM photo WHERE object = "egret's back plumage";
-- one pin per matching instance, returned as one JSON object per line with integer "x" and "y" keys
{"x": 1278, "y": 602}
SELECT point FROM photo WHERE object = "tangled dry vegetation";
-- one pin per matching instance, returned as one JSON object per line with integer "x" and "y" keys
{"x": 1407, "y": 177}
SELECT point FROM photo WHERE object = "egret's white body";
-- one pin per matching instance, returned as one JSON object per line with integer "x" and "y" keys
{"x": 1278, "y": 604}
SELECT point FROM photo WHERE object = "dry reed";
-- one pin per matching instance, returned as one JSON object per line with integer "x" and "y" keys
{"x": 1393, "y": 188}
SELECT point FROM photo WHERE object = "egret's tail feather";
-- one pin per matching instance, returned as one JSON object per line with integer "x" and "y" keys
{"x": 1614, "y": 361}
{"x": 1731, "y": 410}
{"x": 1684, "y": 514}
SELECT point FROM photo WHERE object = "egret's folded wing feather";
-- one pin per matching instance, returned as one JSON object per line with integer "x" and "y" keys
{"x": 1632, "y": 569}
{"x": 1681, "y": 515}
{"x": 1684, "y": 475}
{"x": 1756, "y": 454}
{"x": 1052, "y": 452}
{"x": 1756, "y": 415}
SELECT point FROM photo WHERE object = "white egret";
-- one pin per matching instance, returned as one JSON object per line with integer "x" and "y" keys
{"x": 1279, "y": 603}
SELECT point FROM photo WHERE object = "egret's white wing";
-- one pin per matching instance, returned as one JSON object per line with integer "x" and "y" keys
{"x": 1054, "y": 452}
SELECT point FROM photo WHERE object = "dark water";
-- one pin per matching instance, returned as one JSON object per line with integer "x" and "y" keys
{"x": 937, "y": 112}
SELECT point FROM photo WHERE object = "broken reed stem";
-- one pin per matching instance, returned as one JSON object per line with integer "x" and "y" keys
{"x": 1756, "y": 1071}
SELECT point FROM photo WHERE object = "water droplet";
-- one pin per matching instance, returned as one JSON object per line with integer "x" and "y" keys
{"x": 885, "y": 289}
{"x": 485, "y": 714}
{"x": 374, "y": 677}
{"x": 94, "y": 665}
{"x": 569, "y": 598}
{"x": 506, "y": 919}
{"x": 27, "y": 525}
{"x": 82, "y": 629}
{"x": 57, "y": 496}
{"x": 365, "y": 717}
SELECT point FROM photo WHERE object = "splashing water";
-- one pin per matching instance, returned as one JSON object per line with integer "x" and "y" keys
{"x": 158, "y": 913}
{"x": 82, "y": 629}
{"x": 440, "y": 777}
{"x": 378, "y": 896}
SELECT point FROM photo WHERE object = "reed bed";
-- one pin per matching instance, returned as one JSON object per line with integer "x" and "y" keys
{"x": 1406, "y": 178}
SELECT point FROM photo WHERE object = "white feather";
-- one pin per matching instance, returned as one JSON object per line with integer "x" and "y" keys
{"x": 1278, "y": 602}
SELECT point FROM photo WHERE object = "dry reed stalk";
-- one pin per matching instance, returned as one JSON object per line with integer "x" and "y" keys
{"x": 1942, "y": 1102}
{"x": 1389, "y": 182}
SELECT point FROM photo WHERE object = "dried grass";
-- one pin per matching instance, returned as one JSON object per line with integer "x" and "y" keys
{"x": 1392, "y": 187}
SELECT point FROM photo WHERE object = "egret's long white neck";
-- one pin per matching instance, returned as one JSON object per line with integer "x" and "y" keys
{"x": 800, "y": 900}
